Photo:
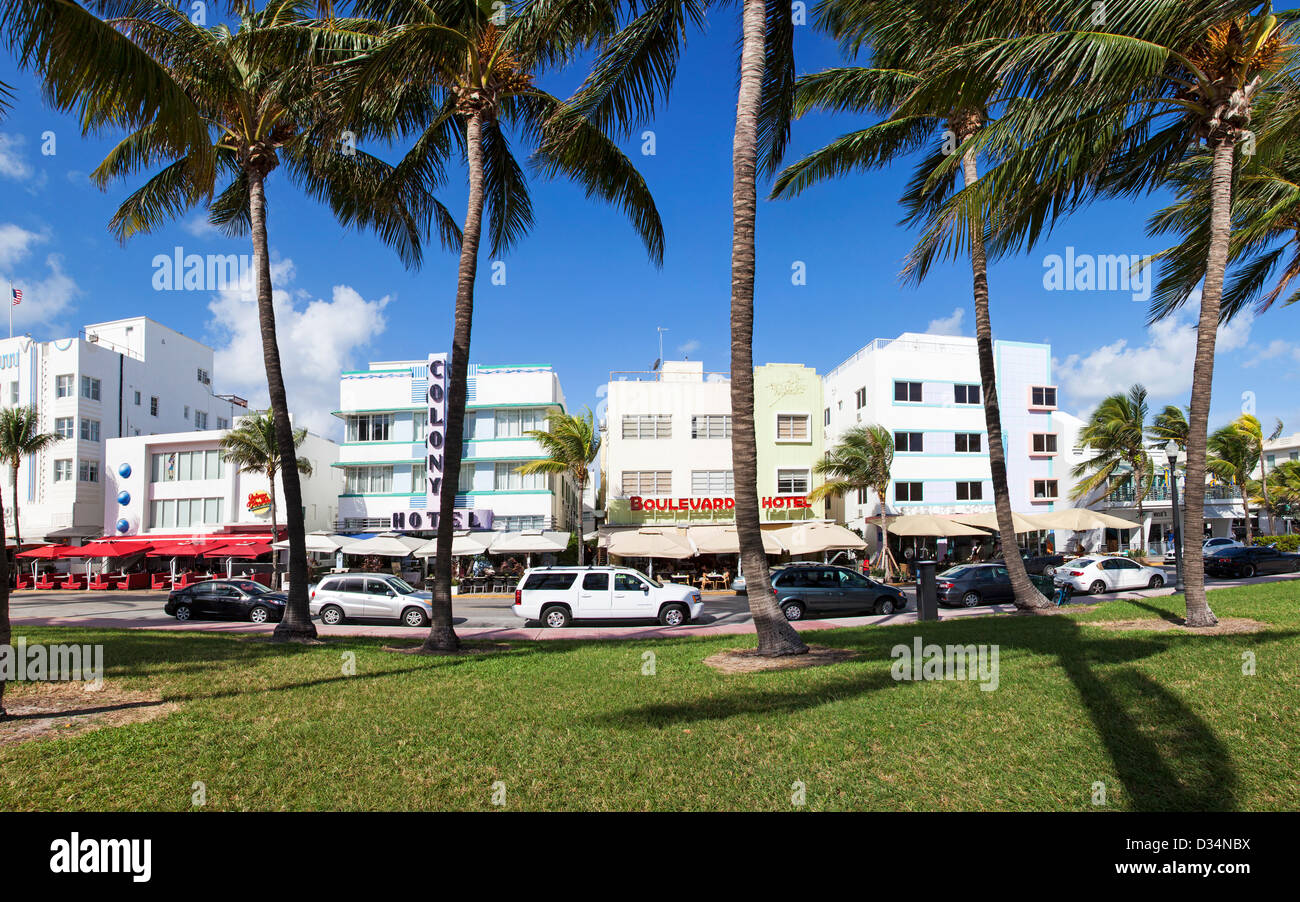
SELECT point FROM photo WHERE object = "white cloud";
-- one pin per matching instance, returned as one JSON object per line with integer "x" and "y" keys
{"x": 318, "y": 340}
{"x": 1163, "y": 364}
{"x": 45, "y": 298}
{"x": 687, "y": 348}
{"x": 12, "y": 164}
{"x": 199, "y": 226}
{"x": 16, "y": 243}
{"x": 948, "y": 325}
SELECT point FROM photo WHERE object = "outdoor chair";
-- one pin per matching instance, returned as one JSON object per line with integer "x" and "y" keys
{"x": 74, "y": 581}
{"x": 500, "y": 585}
{"x": 24, "y": 581}
{"x": 160, "y": 581}
{"x": 49, "y": 581}
{"x": 103, "y": 581}
{"x": 133, "y": 581}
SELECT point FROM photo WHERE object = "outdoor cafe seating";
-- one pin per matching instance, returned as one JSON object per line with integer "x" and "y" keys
{"x": 103, "y": 581}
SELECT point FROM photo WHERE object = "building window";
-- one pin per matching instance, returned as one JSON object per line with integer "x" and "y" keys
{"x": 13, "y": 392}
{"x": 712, "y": 482}
{"x": 1045, "y": 489}
{"x": 420, "y": 425}
{"x": 223, "y": 423}
{"x": 137, "y": 399}
{"x": 1043, "y": 442}
{"x": 89, "y": 430}
{"x": 63, "y": 386}
{"x": 908, "y": 491}
{"x": 369, "y": 480}
{"x": 88, "y": 471}
{"x": 173, "y": 513}
{"x": 465, "y": 483}
{"x": 200, "y": 420}
{"x": 65, "y": 426}
{"x": 907, "y": 391}
{"x": 967, "y": 442}
{"x": 862, "y": 496}
{"x": 183, "y": 466}
{"x": 1042, "y": 396}
{"x": 153, "y": 406}
{"x": 909, "y": 441}
{"x": 517, "y": 524}
{"x": 90, "y": 388}
{"x": 966, "y": 394}
{"x": 713, "y": 425}
{"x": 509, "y": 479}
{"x": 970, "y": 491}
{"x": 649, "y": 425}
{"x": 205, "y": 377}
{"x": 792, "y": 427}
{"x": 647, "y": 482}
{"x": 826, "y": 417}
{"x": 63, "y": 471}
{"x": 517, "y": 423}
{"x": 861, "y": 397}
{"x": 374, "y": 427}
{"x": 792, "y": 482}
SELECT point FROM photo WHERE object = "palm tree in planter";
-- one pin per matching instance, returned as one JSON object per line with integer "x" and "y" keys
{"x": 252, "y": 446}
{"x": 461, "y": 74}
{"x": 1116, "y": 432}
{"x": 264, "y": 95}
{"x": 861, "y": 461}
{"x": 1234, "y": 452}
{"x": 21, "y": 436}
{"x": 571, "y": 444}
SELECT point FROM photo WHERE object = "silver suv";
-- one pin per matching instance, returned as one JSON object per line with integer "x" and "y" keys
{"x": 369, "y": 596}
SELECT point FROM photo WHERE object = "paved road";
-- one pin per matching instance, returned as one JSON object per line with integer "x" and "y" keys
{"x": 722, "y": 613}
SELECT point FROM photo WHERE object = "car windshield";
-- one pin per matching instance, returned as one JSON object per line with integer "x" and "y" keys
{"x": 954, "y": 572}
{"x": 1080, "y": 563}
{"x": 650, "y": 579}
{"x": 1231, "y": 550}
{"x": 401, "y": 585}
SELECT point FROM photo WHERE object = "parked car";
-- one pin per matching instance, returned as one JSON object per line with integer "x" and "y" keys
{"x": 1104, "y": 573}
{"x": 969, "y": 585}
{"x": 1219, "y": 544}
{"x": 738, "y": 584}
{"x": 829, "y": 589}
{"x": 1240, "y": 561}
{"x": 1045, "y": 564}
{"x": 557, "y": 596}
{"x": 227, "y": 599}
{"x": 369, "y": 596}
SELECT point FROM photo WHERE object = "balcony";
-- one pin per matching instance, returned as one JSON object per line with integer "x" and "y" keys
{"x": 1161, "y": 493}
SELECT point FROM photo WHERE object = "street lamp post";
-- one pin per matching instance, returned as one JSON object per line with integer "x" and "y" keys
{"x": 1171, "y": 451}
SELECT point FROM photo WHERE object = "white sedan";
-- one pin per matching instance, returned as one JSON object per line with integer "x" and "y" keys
{"x": 1098, "y": 574}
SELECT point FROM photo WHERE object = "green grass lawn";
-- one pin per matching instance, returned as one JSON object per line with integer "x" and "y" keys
{"x": 1165, "y": 720}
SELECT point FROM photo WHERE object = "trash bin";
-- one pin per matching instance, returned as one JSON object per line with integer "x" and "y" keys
{"x": 927, "y": 599}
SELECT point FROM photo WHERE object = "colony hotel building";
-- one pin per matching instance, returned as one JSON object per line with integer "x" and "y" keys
{"x": 383, "y": 456}
{"x": 129, "y": 377}
{"x": 666, "y": 451}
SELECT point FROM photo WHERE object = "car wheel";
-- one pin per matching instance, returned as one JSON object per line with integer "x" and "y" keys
{"x": 1156, "y": 582}
{"x": 885, "y": 606}
{"x": 792, "y": 610}
{"x": 415, "y": 617}
{"x": 970, "y": 599}
{"x": 1097, "y": 588}
{"x": 259, "y": 614}
{"x": 674, "y": 615}
{"x": 331, "y": 615}
{"x": 1049, "y": 570}
{"x": 1248, "y": 571}
{"x": 556, "y": 617}
{"x": 183, "y": 612}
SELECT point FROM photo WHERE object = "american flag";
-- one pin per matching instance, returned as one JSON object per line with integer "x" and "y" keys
{"x": 18, "y": 296}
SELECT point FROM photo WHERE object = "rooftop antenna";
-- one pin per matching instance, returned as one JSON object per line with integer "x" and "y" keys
{"x": 661, "y": 330}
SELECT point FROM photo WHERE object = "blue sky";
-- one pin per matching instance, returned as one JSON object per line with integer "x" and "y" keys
{"x": 580, "y": 293}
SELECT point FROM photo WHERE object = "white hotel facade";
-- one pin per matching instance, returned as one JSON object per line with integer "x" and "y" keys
{"x": 383, "y": 462}
{"x": 128, "y": 377}
{"x": 925, "y": 389}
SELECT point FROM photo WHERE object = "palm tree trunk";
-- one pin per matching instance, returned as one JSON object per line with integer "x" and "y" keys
{"x": 1245, "y": 506}
{"x": 6, "y": 628}
{"x": 884, "y": 557}
{"x": 18, "y": 535}
{"x": 1027, "y": 597}
{"x": 1263, "y": 487}
{"x": 1198, "y": 420}
{"x": 275, "y": 537}
{"x": 296, "y": 623}
{"x": 442, "y": 636}
{"x": 582, "y": 549}
{"x": 775, "y": 634}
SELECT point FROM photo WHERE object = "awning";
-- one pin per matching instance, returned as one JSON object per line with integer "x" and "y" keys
{"x": 1080, "y": 519}
{"x": 725, "y": 540}
{"x": 105, "y": 548}
{"x": 530, "y": 542}
{"x": 667, "y": 542}
{"x": 385, "y": 545}
{"x": 816, "y": 537}
{"x": 248, "y": 549}
{"x": 188, "y": 548}
{"x": 989, "y": 520}
{"x": 463, "y": 544}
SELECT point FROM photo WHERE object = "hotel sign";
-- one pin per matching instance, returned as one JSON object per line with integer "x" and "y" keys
{"x": 778, "y": 502}
{"x": 415, "y": 520}
{"x": 435, "y": 434}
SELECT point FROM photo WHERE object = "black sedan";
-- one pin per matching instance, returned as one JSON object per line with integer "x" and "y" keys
{"x": 835, "y": 591}
{"x": 974, "y": 584}
{"x": 227, "y": 599}
{"x": 1246, "y": 562}
{"x": 1045, "y": 564}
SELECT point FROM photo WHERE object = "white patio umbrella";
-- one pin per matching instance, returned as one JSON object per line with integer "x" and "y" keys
{"x": 989, "y": 520}
{"x": 816, "y": 537}
{"x": 1080, "y": 519}
{"x": 665, "y": 542}
{"x": 463, "y": 544}
{"x": 725, "y": 540}
{"x": 530, "y": 542}
{"x": 389, "y": 544}
{"x": 321, "y": 542}
{"x": 930, "y": 525}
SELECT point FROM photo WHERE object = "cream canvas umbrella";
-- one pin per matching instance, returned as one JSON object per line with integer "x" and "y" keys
{"x": 989, "y": 520}
{"x": 1080, "y": 519}
{"x": 930, "y": 525}
{"x": 725, "y": 540}
{"x": 817, "y": 536}
{"x": 530, "y": 542}
{"x": 389, "y": 544}
{"x": 320, "y": 542}
{"x": 652, "y": 543}
{"x": 463, "y": 544}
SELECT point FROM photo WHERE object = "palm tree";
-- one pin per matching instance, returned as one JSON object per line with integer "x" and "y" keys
{"x": 907, "y": 40}
{"x": 20, "y": 436}
{"x": 462, "y": 73}
{"x": 1116, "y": 432}
{"x": 633, "y": 70}
{"x": 571, "y": 443}
{"x": 861, "y": 461}
{"x": 1234, "y": 451}
{"x": 262, "y": 95}
{"x": 1273, "y": 436}
{"x": 1283, "y": 488}
{"x": 1169, "y": 425}
{"x": 1113, "y": 108}
{"x": 252, "y": 447}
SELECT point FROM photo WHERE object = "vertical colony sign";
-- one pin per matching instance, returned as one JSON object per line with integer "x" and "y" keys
{"x": 435, "y": 437}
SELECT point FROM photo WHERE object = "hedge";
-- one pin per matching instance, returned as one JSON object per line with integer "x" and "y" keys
{"x": 1283, "y": 543}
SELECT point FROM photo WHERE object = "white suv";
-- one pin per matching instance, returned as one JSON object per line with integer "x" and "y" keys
{"x": 559, "y": 595}
{"x": 369, "y": 596}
